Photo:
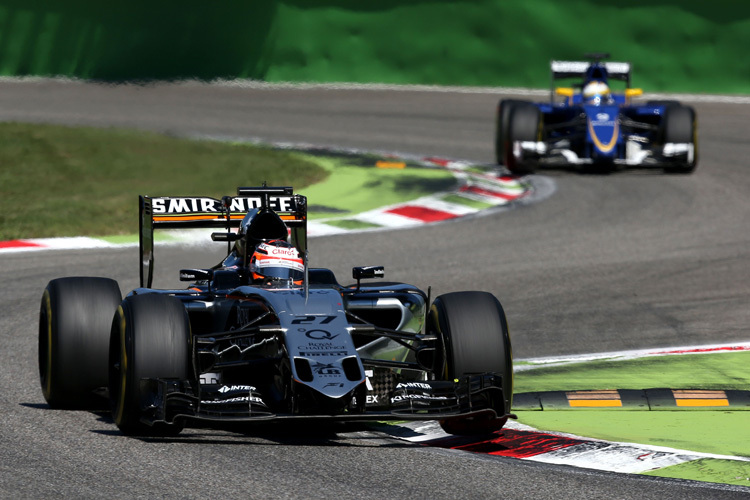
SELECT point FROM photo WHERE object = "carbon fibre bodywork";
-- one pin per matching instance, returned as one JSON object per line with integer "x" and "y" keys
{"x": 230, "y": 347}
{"x": 264, "y": 354}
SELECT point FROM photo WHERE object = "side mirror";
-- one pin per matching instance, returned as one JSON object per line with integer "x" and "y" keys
{"x": 367, "y": 272}
{"x": 225, "y": 237}
{"x": 630, "y": 93}
{"x": 633, "y": 92}
{"x": 566, "y": 92}
{"x": 195, "y": 274}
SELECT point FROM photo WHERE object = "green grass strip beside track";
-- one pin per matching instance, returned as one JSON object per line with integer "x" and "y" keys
{"x": 460, "y": 200}
{"x": 718, "y": 431}
{"x": 351, "y": 224}
{"x": 709, "y": 470}
{"x": 351, "y": 189}
{"x": 721, "y": 371}
{"x": 81, "y": 181}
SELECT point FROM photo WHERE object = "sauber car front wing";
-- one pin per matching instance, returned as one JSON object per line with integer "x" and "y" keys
{"x": 555, "y": 154}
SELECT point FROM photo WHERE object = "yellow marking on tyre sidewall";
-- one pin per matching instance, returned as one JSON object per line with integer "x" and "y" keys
{"x": 123, "y": 367}
{"x": 48, "y": 382}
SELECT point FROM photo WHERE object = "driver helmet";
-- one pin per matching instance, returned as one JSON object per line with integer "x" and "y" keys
{"x": 596, "y": 93}
{"x": 277, "y": 260}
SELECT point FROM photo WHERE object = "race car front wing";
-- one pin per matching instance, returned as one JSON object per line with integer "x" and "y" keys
{"x": 557, "y": 154}
{"x": 469, "y": 396}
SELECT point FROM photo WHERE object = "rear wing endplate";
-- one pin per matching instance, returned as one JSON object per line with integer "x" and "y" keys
{"x": 194, "y": 212}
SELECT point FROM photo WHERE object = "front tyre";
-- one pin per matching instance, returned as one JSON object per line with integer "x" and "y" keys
{"x": 473, "y": 331}
{"x": 523, "y": 126}
{"x": 74, "y": 322}
{"x": 150, "y": 339}
{"x": 679, "y": 125}
{"x": 502, "y": 125}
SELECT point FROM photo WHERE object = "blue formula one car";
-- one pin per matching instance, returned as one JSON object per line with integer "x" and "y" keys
{"x": 591, "y": 125}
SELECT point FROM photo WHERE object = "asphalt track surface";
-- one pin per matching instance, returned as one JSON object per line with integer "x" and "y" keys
{"x": 627, "y": 260}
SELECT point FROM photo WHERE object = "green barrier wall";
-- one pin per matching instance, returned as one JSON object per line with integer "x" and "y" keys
{"x": 674, "y": 45}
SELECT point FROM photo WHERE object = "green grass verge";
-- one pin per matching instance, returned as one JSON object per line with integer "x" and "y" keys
{"x": 692, "y": 371}
{"x": 703, "y": 431}
{"x": 718, "y": 431}
{"x": 462, "y": 200}
{"x": 709, "y": 470}
{"x": 358, "y": 188}
{"x": 78, "y": 181}
{"x": 73, "y": 181}
{"x": 351, "y": 224}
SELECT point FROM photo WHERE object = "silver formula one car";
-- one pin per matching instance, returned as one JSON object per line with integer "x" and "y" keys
{"x": 261, "y": 336}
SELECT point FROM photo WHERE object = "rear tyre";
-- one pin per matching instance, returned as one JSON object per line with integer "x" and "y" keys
{"x": 679, "y": 126}
{"x": 150, "y": 338}
{"x": 473, "y": 333}
{"x": 74, "y": 322}
{"x": 502, "y": 124}
{"x": 523, "y": 125}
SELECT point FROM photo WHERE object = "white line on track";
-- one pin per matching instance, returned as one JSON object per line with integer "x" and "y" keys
{"x": 531, "y": 363}
{"x": 254, "y": 84}
{"x": 523, "y": 91}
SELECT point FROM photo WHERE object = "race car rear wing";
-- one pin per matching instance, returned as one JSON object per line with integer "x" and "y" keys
{"x": 193, "y": 212}
{"x": 571, "y": 69}
{"x": 580, "y": 69}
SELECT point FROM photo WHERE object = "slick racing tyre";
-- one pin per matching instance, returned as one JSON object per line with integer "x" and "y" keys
{"x": 74, "y": 322}
{"x": 679, "y": 126}
{"x": 473, "y": 333}
{"x": 149, "y": 339}
{"x": 502, "y": 124}
{"x": 523, "y": 125}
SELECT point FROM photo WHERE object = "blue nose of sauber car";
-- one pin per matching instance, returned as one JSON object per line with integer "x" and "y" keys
{"x": 602, "y": 131}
